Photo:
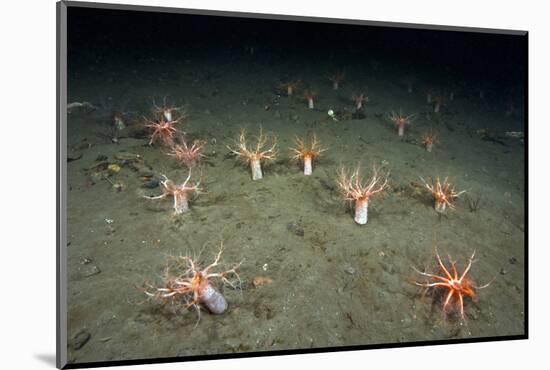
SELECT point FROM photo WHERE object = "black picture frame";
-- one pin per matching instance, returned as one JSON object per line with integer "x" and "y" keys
{"x": 62, "y": 121}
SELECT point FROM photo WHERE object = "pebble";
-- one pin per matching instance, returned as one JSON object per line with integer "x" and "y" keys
{"x": 79, "y": 340}
{"x": 294, "y": 228}
{"x": 85, "y": 260}
{"x": 74, "y": 158}
{"x": 88, "y": 269}
{"x": 503, "y": 271}
{"x": 350, "y": 270}
{"x": 151, "y": 184}
{"x": 387, "y": 267}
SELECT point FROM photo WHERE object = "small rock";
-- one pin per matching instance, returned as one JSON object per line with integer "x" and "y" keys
{"x": 350, "y": 270}
{"x": 294, "y": 228}
{"x": 151, "y": 184}
{"x": 513, "y": 261}
{"x": 110, "y": 230}
{"x": 88, "y": 270}
{"x": 503, "y": 271}
{"x": 79, "y": 340}
{"x": 388, "y": 267}
{"x": 74, "y": 157}
{"x": 85, "y": 260}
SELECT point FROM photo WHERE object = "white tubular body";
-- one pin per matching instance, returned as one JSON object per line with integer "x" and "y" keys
{"x": 213, "y": 300}
{"x": 181, "y": 203}
{"x": 256, "y": 168}
{"x": 308, "y": 169}
{"x": 440, "y": 207}
{"x": 310, "y": 104}
{"x": 119, "y": 124}
{"x": 436, "y": 107}
{"x": 168, "y": 115}
{"x": 361, "y": 211}
{"x": 429, "y": 147}
{"x": 401, "y": 130}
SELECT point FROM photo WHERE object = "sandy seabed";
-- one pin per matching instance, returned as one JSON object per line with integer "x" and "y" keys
{"x": 332, "y": 282}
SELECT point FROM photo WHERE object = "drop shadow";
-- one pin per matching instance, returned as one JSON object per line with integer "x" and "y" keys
{"x": 47, "y": 358}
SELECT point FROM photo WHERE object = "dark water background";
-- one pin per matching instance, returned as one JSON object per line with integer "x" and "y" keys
{"x": 333, "y": 282}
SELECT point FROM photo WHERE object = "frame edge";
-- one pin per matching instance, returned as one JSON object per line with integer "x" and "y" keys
{"x": 61, "y": 174}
